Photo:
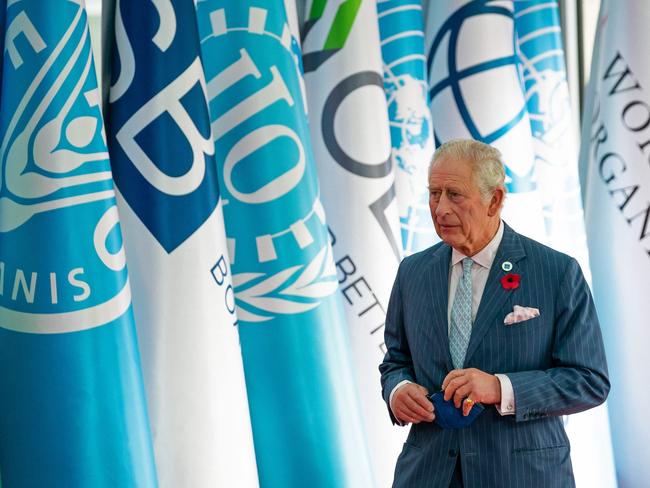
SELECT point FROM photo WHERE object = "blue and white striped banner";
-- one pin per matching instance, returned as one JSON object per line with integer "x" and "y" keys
{"x": 553, "y": 125}
{"x": 163, "y": 161}
{"x": 73, "y": 411}
{"x": 402, "y": 46}
{"x": 306, "y": 419}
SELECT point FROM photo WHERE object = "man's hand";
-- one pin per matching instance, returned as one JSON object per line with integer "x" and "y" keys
{"x": 410, "y": 404}
{"x": 472, "y": 384}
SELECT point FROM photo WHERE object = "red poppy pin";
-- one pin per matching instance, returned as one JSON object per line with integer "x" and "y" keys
{"x": 510, "y": 281}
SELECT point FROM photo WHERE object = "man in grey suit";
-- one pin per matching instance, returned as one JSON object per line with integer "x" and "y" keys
{"x": 488, "y": 316}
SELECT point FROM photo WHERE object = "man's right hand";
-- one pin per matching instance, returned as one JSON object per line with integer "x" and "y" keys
{"x": 411, "y": 405}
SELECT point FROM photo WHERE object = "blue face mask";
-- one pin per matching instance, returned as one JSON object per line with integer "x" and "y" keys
{"x": 450, "y": 417}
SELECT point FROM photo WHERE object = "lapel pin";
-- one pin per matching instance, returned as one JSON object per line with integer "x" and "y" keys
{"x": 506, "y": 266}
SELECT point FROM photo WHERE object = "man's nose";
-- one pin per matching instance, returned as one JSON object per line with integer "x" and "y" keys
{"x": 442, "y": 208}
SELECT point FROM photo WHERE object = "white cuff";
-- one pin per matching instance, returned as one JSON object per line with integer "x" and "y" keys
{"x": 507, "y": 406}
{"x": 390, "y": 397}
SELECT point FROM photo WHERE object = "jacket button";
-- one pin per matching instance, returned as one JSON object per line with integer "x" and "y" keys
{"x": 452, "y": 452}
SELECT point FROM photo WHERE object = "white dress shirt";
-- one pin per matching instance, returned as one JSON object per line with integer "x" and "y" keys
{"x": 483, "y": 261}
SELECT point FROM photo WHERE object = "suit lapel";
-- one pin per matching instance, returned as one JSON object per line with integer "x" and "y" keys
{"x": 439, "y": 288}
{"x": 494, "y": 295}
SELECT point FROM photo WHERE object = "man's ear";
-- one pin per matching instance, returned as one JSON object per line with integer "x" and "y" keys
{"x": 496, "y": 202}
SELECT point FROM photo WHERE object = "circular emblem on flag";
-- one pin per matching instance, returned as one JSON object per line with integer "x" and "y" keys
{"x": 469, "y": 77}
{"x": 62, "y": 265}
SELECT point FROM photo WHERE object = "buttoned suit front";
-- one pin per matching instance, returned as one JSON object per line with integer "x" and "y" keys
{"x": 555, "y": 362}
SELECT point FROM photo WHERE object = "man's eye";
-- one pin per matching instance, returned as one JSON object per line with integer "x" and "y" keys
{"x": 435, "y": 194}
{"x": 454, "y": 196}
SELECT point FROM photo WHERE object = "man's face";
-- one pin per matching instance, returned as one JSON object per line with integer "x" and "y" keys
{"x": 462, "y": 218}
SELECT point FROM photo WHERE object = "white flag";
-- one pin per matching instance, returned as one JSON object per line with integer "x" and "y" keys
{"x": 475, "y": 87}
{"x": 615, "y": 152}
{"x": 351, "y": 139}
{"x": 183, "y": 300}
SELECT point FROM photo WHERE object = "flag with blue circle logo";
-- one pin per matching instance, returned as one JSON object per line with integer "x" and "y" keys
{"x": 73, "y": 411}
{"x": 349, "y": 122}
{"x": 477, "y": 91}
{"x": 615, "y": 152}
{"x": 555, "y": 142}
{"x": 162, "y": 156}
{"x": 304, "y": 410}
{"x": 402, "y": 46}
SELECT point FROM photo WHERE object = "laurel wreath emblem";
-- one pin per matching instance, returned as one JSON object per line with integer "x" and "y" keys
{"x": 293, "y": 290}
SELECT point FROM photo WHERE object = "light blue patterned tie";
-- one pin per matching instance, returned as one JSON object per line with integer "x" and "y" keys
{"x": 461, "y": 316}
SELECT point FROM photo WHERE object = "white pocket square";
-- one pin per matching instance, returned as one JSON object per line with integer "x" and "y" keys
{"x": 519, "y": 314}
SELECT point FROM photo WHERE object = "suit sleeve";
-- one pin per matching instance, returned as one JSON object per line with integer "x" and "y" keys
{"x": 578, "y": 379}
{"x": 397, "y": 365}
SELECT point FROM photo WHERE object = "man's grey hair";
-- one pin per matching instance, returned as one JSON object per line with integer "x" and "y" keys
{"x": 486, "y": 163}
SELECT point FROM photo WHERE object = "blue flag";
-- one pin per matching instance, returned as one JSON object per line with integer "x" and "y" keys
{"x": 402, "y": 48}
{"x": 553, "y": 125}
{"x": 72, "y": 412}
{"x": 306, "y": 422}
{"x": 162, "y": 156}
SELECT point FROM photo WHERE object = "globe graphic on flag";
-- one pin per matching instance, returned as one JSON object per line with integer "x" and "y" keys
{"x": 412, "y": 148}
{"x": 410, "y": 118}
{"x": 476, "y": 86}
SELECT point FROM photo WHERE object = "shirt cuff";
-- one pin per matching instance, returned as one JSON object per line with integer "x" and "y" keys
{"x": 507, "y": 406}
{"x": 390, "y": 398}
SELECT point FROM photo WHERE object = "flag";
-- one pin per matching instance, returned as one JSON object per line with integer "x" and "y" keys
{"x": 555, "y": 141}
{"x": 348, "y": 116}
{"x": 73, "y": 411}
{"x": 402, "y": 47}
{"x": 476, "y": 91}
{"x": 304, "y": 410}
{"x": 553, "y": 125}
{"x": 165, "y": 172}
{"x": 615, "y": 152}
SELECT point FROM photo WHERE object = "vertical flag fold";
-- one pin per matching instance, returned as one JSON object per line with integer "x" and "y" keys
{"x": 348, "y": 117}
{"x": 402, "y": 46}
{"x": 615, "y": 153}
{"x": 165, "y": 171}
{"x": 304, "y": 410}
{"x": 73, "y": 411}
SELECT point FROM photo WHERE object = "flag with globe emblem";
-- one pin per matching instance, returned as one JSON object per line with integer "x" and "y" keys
{"x": 476, "y": 91}
{"x": 162, "y": 156}
{"x": 615, "y": 154}
{"x": 348, "y": 116}
{"x": 555, "y": 141}
{"x": 304, "y": 411}
{"x": 73, "y": 410}
{"x": 402, "y": 47}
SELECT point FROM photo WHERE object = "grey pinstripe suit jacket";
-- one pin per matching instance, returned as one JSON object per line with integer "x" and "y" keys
{"x": 556, "y": 363}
